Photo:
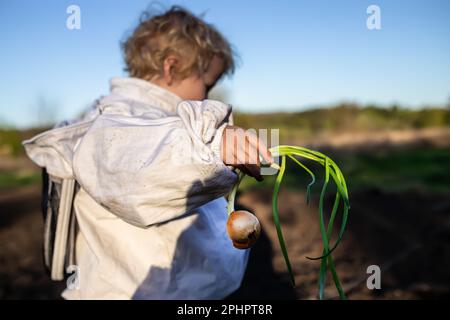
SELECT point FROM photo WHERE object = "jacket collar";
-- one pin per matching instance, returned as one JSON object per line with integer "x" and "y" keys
{"x": 146, "y": 92}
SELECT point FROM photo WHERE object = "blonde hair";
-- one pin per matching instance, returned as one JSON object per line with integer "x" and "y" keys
{"x": 176, "y": 32}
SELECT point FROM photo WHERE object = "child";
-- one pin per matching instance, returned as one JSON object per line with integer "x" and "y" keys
{"x": 153, "y": 165}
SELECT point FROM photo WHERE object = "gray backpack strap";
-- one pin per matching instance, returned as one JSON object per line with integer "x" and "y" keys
{"x": 49, "y": 216}
{"x": 60, "y": 225}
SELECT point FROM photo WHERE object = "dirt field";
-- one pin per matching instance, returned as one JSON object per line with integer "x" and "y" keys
{"x": 22, "y": 275}
{"x": 415, "y": 263}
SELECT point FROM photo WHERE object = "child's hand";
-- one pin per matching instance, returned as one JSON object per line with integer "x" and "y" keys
{"x": 242, "y": 150}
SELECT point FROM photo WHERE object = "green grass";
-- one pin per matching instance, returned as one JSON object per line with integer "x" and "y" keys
{"x": 424, "y": 169}
{"x": 11, "y": 140}
{"x": 18, "y": 179}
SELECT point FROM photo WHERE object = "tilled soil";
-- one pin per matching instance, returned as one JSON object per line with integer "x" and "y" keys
{"x": 406, "y": 234}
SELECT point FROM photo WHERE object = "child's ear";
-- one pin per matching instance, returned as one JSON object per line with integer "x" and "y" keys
{"x": 170, "y": 66}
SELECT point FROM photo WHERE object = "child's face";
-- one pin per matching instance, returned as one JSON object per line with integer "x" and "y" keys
{"x": 194, "y": 87}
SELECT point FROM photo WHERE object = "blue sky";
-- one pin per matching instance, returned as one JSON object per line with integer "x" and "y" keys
{"x": 293, "y": 54}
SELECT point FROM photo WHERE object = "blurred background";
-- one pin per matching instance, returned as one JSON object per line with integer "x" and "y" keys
{"x": 375, "y": 101}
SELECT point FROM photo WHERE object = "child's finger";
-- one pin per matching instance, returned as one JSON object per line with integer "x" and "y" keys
{"x": 251, "y": 169}
{"x": 252, "y": 154}
{"x": 267, "y": 156}
{"x": 262, "y": 149}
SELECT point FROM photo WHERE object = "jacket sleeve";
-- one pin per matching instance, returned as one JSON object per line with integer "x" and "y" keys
{"x": 147, "y": 171}
{"x": 54, "y": 149}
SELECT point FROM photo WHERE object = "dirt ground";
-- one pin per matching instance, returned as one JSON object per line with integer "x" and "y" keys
{"x": 407, "y": 235}
{"x": 22, "y": 274}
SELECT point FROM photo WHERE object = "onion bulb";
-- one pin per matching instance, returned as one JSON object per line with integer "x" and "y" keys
{"x": 243, "y": 228}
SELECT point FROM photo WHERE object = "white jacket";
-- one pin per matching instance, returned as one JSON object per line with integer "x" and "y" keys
{"x": 151, "y": 211}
